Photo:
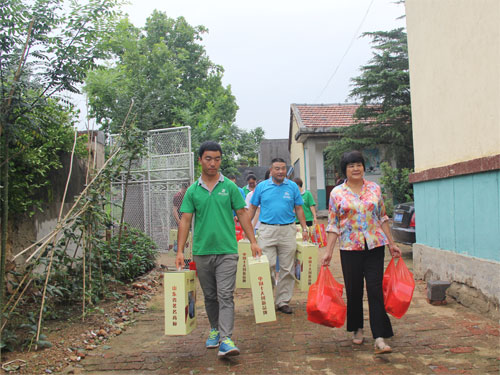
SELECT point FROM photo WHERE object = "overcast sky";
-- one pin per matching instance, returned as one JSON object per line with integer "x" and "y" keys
{"x": 277, "y": 52}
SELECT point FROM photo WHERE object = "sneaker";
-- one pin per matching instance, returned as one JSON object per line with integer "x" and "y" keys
{"x": 213, "y": 339}
{"x": 285, "y": 309}
{"x": 227, "y": 348}
{"x": 381, "y": 347}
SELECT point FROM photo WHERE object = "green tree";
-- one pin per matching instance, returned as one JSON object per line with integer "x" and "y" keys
{"x": 396, "y": 182}
{"x": 165, "y": 70}
{"x": 250, "y": 145}
{"x": 384, "y": 116}
{"x": 35, "y": 154}
{"x": 46, "y": 48}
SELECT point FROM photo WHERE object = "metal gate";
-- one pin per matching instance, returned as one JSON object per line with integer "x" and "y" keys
{"x": 154, "y": 182}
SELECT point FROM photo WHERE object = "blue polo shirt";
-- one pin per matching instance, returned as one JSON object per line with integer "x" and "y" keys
{"x": 277, "y": 202}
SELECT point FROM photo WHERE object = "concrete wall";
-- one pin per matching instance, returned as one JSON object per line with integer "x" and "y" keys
{"x": 297, "y": 149}
{"x": 273, "y": 148}
{"x": 475, "y": 282}
{"x": 25, "y": 230}
{"x": 454, "y": 51}
{"x": 460, "y": 214}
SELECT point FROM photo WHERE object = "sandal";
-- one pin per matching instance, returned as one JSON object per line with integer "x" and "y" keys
{"x": 357, "y": 337}
{"x": 381, "y": 347}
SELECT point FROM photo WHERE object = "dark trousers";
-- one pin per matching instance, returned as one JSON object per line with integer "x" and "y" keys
{"x": 358, "y": 266}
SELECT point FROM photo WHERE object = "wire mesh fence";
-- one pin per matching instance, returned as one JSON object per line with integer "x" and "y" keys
{"x": 156, "y": 187}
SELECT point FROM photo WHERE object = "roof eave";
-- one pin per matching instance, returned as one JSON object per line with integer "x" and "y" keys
{"x": 304, "y": 132}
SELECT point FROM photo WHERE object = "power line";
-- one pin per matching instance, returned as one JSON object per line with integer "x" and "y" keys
{"x": 346, "y": 52}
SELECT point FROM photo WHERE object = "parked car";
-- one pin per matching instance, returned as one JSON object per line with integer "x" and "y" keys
{"x": 403, "y": 223}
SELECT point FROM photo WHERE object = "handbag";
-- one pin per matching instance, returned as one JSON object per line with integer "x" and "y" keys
{"x": 325, "y": 305}
{"x": 398, "y": 286}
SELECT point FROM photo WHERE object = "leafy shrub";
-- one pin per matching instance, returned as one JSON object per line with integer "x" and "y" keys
{"x": 396, "y": 184}
{"x": 137, "y": 255}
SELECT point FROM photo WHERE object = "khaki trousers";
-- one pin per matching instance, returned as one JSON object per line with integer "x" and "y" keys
{"x": 275, "y": 240}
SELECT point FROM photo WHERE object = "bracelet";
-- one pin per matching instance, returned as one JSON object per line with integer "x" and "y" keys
{"x": 305, "y": 230}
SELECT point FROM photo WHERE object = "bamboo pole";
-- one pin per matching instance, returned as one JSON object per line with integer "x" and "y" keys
{"x": 50, "y": 235}
{"x": 84, "y": 276}
{"x": 17, "y": 301}
{"x": 68, "y": 220}
{"x": 52, "y": 251}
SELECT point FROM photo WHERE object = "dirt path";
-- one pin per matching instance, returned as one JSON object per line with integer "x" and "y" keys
{"x": 447, "y": 339}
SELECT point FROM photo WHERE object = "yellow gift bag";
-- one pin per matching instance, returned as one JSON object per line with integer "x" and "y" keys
{"x": 180, "y": 302}
{"x": 306, "y": 265}
{"x": 262, "y": 290}
{"x": 242, "y": 277}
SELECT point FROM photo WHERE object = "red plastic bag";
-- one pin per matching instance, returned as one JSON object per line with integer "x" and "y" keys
{"x": 398, "y": 286}
{"x": 240, "y": 234}
{"x": 318, "y": 235}
{"x": 324, "y": 303}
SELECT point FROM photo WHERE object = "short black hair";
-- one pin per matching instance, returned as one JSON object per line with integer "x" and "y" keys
{"x": 266, "y": 176}
{"x": 251, "y": 177}
{"x": 298, "y": 181}
{"x": 349, "y": 157}
{"x": 209, "y": 146}
{"x": 277, "y": 160}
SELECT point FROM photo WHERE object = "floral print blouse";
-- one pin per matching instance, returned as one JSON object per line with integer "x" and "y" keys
{"x": 356, "y": 218}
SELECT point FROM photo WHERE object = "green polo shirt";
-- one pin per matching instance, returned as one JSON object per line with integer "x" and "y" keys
{"x": 308, "y": 202}
{"x": 214, "y": 231}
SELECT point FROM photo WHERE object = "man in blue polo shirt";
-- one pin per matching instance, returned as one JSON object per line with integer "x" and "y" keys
{"x": 278, "y": 197}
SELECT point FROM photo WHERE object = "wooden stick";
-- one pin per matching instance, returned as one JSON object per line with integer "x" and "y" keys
{"x": 84, "y": 276}
{"x": 17, "y": 301}
{"x": 54, "y": 243}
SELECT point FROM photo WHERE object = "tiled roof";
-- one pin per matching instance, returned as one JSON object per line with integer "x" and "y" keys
{"x": 325, "y": 115}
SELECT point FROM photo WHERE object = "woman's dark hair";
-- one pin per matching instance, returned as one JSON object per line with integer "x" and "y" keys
{"x": 266, "y": 176}
{"x": 351, "y": 157}
{"x": 298, "y": 181}
{"x": 209, "y": 146}
{"x": 251, "y": 177}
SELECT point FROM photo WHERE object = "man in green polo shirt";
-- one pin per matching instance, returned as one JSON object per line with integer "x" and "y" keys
{"x": 212, "y": 200}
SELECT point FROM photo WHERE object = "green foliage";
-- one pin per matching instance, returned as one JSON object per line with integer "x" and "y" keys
{"x": 384, "y": 116}
{"x": 389, "y": 205}
{"x": 395, "y": 182}
{"x": 137, "y": 255}
{"x": 249, "y": 146}
{"x": 46, "y": 48}
{"x": 35, "y": 153}
{"x": 62, "y": 43}
{"x": 163, "y": 68}
{"x": 9, "y": 339}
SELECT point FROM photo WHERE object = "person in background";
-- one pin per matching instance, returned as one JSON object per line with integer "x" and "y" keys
{"x": 176, "y": 208}
{"x": 357, "y": 217}
{"x": 251, "y": 183}
{"x": 212, "y": 199}
{"x": 177, "y": 202}
{"x": 277, "y": 198}
{"x": 338, "y": 180}
{"x": 255, "y": 220}
{"x": 232, "y": 177}
{"x": 309, "y": 204}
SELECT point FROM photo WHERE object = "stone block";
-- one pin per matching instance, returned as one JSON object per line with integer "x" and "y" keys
{"x": 436, "y": 290}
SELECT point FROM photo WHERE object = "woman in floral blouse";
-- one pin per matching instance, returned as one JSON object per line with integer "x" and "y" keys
{"x": 358, "y": 219}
